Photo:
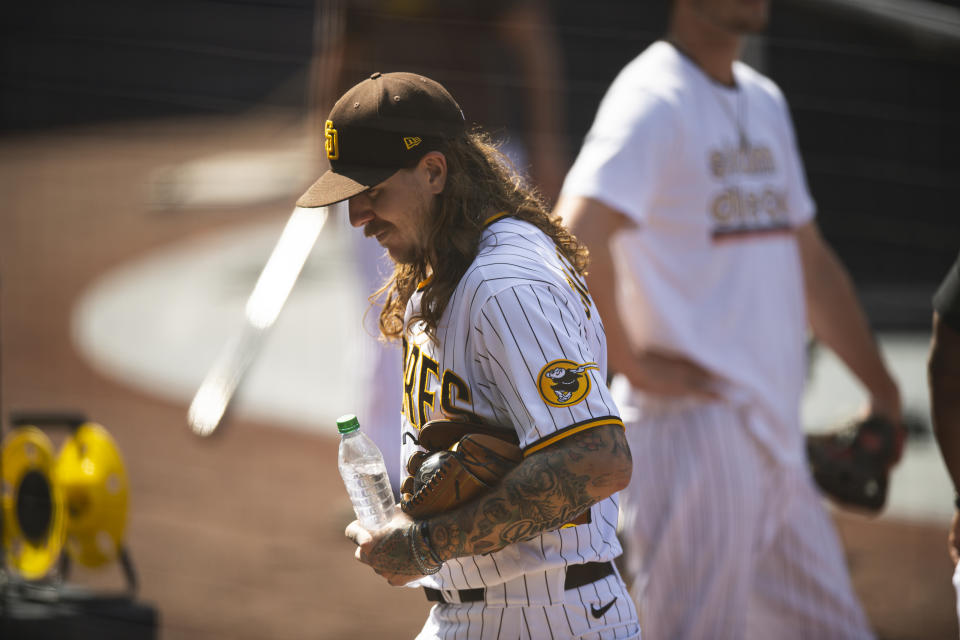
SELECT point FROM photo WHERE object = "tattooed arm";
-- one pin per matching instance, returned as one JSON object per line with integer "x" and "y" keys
{"x": 548, "y": 489}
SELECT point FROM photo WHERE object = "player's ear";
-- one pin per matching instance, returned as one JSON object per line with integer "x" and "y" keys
{"x": 434, "y": 167}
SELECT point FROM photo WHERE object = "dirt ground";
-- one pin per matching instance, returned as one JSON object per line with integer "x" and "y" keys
{"x": 241, "y": 536}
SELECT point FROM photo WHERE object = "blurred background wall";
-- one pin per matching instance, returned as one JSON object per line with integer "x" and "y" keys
{"x": 872, "y": 85}
{"x": 80, "y": 62}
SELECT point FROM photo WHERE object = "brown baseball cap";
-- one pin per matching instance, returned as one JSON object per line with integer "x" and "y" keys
{"x": 384, "y": 124}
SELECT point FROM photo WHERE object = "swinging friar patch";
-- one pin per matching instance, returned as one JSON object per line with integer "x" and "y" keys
{"x": 564, "y": 383}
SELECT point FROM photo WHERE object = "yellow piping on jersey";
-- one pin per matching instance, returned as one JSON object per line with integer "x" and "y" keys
{"x": 583, "y": 427}
{"x": 425, "y": 282}
{"x": 497, "y": 216}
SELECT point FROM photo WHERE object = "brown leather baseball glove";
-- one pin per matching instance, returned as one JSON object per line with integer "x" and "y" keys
{"x": 852, "y": 464}
{"x": 462, "y": 461}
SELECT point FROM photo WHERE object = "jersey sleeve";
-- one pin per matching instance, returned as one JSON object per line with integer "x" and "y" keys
{"x": 623, "y": 157}
{"x": 542, "y": 372}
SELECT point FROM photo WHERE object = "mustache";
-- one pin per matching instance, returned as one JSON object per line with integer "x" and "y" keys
{"x": 374, "y": 228}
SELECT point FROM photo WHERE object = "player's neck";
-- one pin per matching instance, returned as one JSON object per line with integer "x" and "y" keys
{"x": 709, "y": 47}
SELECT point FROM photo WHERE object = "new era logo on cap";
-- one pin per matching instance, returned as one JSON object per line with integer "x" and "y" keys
{"x": 384, "y": 124}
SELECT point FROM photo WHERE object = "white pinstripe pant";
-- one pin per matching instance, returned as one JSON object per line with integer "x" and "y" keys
{"x": 519, "y": 613}
{"x": 722, "y": 542}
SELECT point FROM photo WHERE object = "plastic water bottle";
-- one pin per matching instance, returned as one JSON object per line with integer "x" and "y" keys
{"x": 364, "y": 474}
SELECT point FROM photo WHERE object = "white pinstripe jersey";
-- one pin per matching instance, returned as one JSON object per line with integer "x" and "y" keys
{"x": 520, "y": 345}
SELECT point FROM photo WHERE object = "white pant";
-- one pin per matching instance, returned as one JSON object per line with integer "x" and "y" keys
{"x": 532, "y": 613}
{"x": 722, "y": 542}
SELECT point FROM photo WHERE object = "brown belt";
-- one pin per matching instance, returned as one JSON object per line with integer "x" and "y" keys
{"x": 577, "y": 576}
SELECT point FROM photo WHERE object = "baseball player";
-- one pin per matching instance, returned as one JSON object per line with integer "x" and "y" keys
{"x": 497, "y": 326}
{"x": 706, "y": 265}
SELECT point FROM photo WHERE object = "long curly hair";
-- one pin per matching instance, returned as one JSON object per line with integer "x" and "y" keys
{"x": 481, "y": 181}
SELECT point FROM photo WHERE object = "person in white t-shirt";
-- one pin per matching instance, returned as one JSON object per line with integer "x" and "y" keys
{"x": 706, "y": 266}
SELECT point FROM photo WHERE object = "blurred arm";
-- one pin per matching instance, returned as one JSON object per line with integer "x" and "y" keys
{"x": 943, "y": 374}
{"x": 530, "y": 32}
{"x": 594, "y": 224}
{"x": 839, "y": 322}
{"x": 943, "y": 370}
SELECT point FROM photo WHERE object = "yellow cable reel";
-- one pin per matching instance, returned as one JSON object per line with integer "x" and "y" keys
{"x": 33, "y": 509}
{"x": 90, "y": 473}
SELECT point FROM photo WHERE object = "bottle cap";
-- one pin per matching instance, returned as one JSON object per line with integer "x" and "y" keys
{"x": 347, "y": 423}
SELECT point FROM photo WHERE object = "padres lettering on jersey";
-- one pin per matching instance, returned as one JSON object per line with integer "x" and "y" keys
{"x": 519, "y": 346}
{"x": 419, "y": 372}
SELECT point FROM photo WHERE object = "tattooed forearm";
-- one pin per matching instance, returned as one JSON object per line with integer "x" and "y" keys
{"x": 549, "y": 489}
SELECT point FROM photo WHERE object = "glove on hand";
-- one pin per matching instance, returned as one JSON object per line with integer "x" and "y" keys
{"x": 462, "y": 461}
{"x": 852, "y": 465}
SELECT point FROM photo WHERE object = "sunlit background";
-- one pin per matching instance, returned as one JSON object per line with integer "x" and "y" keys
{"x": 151, "y": 156}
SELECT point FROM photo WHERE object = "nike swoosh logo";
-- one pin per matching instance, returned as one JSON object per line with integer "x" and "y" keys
{"x": 598, "y": 613}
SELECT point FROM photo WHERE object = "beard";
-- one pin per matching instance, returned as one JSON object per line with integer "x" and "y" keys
{"x": 406, "y": 255}
{"x": 402, "y": 250}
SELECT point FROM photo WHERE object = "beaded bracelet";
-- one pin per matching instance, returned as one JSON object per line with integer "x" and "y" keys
{"x": 417, "y": 556}
{"x": 425, "y": 536}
